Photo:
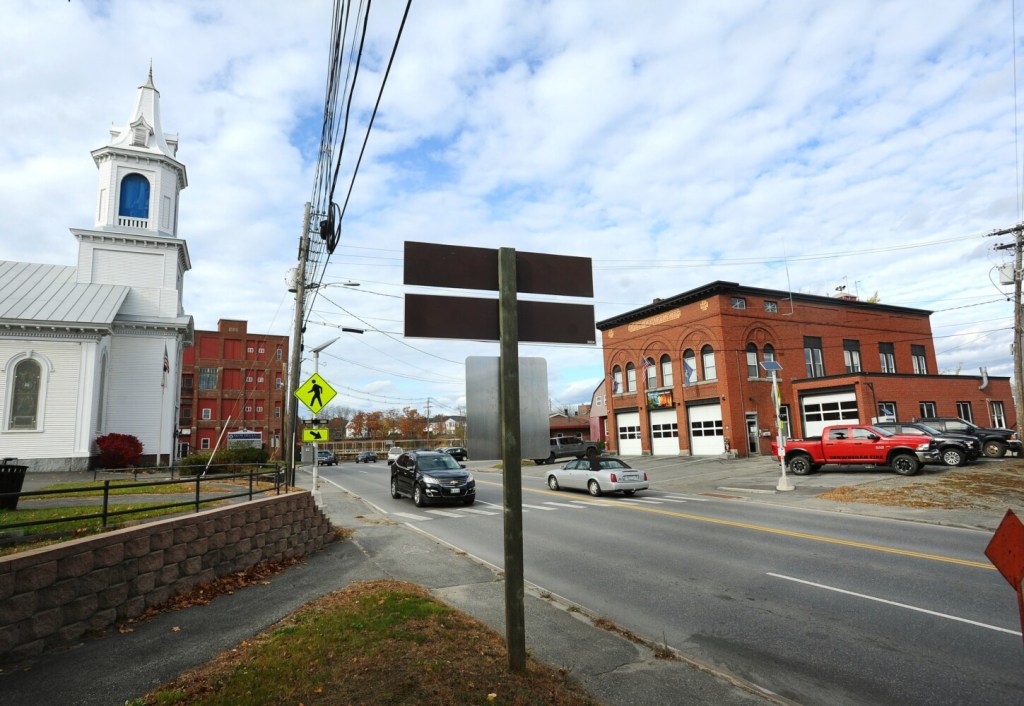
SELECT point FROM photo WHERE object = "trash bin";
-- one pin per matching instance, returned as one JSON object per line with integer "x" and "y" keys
{"x": 12, "y": 477}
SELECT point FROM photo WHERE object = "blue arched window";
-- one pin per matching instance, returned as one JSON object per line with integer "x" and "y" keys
{"x": 25, "y": 396}
{"x": 134, "y": 197}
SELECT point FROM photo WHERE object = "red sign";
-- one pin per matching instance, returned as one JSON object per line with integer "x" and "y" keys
{"x": 1006, "y": 550}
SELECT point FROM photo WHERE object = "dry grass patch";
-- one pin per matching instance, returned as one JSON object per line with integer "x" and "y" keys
{"x": 990, "y": 486}
{"x": 376, "y": 642}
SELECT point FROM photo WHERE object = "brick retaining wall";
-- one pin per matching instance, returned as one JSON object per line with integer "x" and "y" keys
{"x": 53, "y": 596}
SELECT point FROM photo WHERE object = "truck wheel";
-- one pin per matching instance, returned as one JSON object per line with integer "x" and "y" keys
{"x": 591, "y": 452}
{"x": 993, "y": 448}
{"x": 905, "y": 464}
{"x": 800, "y": 465}
{"x": 551, "y": 458}
{"x": 952, "y": 456}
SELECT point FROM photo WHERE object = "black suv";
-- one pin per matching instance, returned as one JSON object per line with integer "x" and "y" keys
{"x": 954, "y": 449}
{"x": 431, "y": 477}
{"x": 366, "y": 457}
{"x": 459, "y": 453}
{"x": 994, "y": 442}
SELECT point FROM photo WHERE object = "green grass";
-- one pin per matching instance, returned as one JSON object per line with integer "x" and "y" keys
{"x": 379, "y": 642}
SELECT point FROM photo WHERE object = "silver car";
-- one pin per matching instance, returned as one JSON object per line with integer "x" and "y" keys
{"x": 598, "y": 476}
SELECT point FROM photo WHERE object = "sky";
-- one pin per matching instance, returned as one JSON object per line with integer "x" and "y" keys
{"x": 794, "y": 145}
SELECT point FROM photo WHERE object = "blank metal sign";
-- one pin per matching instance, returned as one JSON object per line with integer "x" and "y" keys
{"x": 470, "y": 318}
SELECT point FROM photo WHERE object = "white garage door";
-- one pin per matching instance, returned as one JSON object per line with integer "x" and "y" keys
{"x": 629, "y": 433}
{"x": 706, "y": 437}
{"x": 820, "y": 411}
{"x": 664, "y": 432}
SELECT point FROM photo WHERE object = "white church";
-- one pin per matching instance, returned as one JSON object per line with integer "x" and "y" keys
{"x": 95, "y": 347}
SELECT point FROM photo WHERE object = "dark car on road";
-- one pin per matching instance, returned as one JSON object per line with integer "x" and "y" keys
{"x": 954, "y": 449}
{"x": 459, "y": 453}
{"x": 366, "y": 457}
{"x": 326, "y": 458}
{"x": 431, "y": 477}
{"x": 994, "y": 442}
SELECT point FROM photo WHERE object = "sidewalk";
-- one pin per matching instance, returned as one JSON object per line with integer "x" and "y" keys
{"x": 118, "y": 667}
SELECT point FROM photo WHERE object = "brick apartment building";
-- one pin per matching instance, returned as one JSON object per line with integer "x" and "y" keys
{"x": 232, "y": 374}
{"x": 684, "y": 375}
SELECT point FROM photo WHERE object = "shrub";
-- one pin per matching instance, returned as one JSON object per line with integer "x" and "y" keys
{"x": 196, "y": 463}
{"x": 119, "y": 450}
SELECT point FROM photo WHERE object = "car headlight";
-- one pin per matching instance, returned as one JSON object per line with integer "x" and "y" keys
{"x": 430, "y": 480}
{"x": 469, "y": 478}
{"x": 923, "y": 447}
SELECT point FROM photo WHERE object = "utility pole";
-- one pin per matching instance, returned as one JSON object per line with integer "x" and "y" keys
{"x": 291, "y": 416}
{"x": 1018, "y": 321}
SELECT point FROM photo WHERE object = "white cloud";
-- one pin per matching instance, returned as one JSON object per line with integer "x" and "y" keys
{"x": 711, "y": 138}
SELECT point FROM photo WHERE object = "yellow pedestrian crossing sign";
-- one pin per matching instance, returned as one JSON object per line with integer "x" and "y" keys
{"x": 315, "y": 393}
{"x": 316, "y": 436}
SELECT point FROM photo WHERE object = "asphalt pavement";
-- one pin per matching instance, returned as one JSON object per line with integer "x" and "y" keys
{"x": 117, "y": 667}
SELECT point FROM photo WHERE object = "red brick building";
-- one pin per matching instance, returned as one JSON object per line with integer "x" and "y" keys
{"x": 232, "y": 374}
{"x": 685, "y": 375}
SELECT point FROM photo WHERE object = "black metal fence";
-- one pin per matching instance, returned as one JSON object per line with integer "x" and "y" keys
{"x": 255, "y": 481}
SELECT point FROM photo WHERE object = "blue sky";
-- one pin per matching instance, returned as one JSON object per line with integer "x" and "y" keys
{"x": 873, "y": 143}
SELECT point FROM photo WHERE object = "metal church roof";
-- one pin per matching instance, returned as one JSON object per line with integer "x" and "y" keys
{"x": 40, "y": 295}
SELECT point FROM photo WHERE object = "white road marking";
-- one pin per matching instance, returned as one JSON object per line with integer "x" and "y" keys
{"x": 894, "y": 603}
{"x": 445, "y": 513}
{"x": 641, "y": 501}
{"x": 574, "y": 507}
{"x": 673, "y": 500}
{"x": 588, "y": 503}
{"x": 480, "y": 512}
{"x": 539, "y": 507}
{"x": 410, "y": 516}
{"x": 688, "y": 497}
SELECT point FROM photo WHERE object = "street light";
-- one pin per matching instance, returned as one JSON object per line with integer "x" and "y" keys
{"x": 773, "y": 367}
{"x": 316, "y": 445}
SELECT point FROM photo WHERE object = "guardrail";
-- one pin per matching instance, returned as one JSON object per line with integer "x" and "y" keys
{"x": 260, "y": 480}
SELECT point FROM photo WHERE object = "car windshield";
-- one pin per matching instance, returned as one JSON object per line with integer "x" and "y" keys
{"x": 438, "y": 463}
{"x": 931, "y": 431}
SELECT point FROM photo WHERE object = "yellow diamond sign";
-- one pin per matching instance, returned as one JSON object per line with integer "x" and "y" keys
{"x": 315, "y": 393}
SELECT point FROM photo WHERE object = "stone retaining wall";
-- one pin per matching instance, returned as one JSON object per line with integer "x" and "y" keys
{"x": 53, "y": 596}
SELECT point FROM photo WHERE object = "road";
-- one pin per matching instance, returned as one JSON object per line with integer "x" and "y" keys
{"x": 814, "y": 606}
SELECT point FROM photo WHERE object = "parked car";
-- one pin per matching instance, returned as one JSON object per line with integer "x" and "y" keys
{"x": 563, "y": 446}
{"x": 432, "y": 477}
{"x": 994, "y": 442}
{"x": 858, "y": 445}
{"x": 599, "y": 475}
{"x": 366, "y": 457}
{"x": 393, "y": 453}
{"x": 459, "y": 453}
{"x": 326, "y": 458}
{"x": 954, "y": 449}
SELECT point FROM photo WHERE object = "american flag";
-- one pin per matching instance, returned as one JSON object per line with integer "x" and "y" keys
{"x": 167, "y": 367}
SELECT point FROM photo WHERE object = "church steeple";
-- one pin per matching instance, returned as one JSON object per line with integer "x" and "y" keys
{"x": 140, "y": 177}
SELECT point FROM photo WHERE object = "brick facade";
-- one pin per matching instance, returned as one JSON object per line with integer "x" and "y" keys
{"x": 232, "y": 373}
{"x": 723, "y": 332}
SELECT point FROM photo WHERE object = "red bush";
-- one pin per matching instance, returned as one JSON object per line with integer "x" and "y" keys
{"x": 119, "y": 450}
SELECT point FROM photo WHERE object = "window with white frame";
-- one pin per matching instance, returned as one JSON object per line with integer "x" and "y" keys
{"x": 851, "y": 355}
{"x": 887, "y": 357}
{"x": 998, "y": 414}
{"x": 206, "y": 413}
{"x": 651, "y": 371}
{"x": 204, "y": 444}
{"x": 689, "y": 367}
{"x": 207, "y": 378}
{"x": 26, "y": 384}
{"x": 929, "y": 409}
{"x": 813, "y": 359}
{"x": 887, "y": 408}
{"x": 739, "y": 303}
{"x": 752, "y": 371}
{"x": 616, "y": 380}
{"x": 964, "y": 411}
{"x": 707, "y": 357}
{"x": 249, "y": 349}
{"x": 771, "y": 307}
{"x": 666, "y": 370}
{"x": 920, "y": 362}
{"x": 630, "y": 377}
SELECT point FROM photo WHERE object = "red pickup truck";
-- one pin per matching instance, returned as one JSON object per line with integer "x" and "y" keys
{"x": 860, "y": 445}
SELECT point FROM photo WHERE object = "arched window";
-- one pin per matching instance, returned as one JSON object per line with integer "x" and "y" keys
{"x": 652, "y": 373}
{"x": 752, "y": 371}
{"x": 689, "y": 367}
{"x": 769, "y": 351}
{"x": 616, "y": 380}
{"x": 666, "y": 370}
{"x": 134, "y": 202}
{"x": 707, "y": 359}
{"x": 25, "y": 395}
{"x": 630, "y": 377}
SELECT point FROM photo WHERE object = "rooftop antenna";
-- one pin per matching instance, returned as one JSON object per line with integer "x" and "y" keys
{"x": 789, "y": 285}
